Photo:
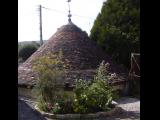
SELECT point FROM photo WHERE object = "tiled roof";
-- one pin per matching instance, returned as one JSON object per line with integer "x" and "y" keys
{"x": 82, "y": 53}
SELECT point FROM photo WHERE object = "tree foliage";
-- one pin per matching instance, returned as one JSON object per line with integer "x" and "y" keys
{"x": 25, "y": 51}
{"x": 116, "y": 29}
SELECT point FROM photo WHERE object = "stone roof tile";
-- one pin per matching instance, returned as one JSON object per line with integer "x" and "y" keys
{"x": 77, "y": 47}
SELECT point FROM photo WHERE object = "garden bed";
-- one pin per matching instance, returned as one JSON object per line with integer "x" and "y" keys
{"x": 87, "y": 116}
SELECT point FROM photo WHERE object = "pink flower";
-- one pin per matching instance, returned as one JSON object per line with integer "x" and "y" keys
{"x": 50, "y": 106}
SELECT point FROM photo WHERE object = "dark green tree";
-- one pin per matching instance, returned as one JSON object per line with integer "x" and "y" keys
{"x": 116, "y": 29}
{"x": 26, "y": 51}
{"x": 35, "y": 43}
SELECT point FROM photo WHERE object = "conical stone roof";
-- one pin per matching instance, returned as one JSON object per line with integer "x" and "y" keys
{"x": 83, "y": 54}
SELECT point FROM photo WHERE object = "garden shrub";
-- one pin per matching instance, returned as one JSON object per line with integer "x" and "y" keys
{"x": 63, "y": 104}
{"x": 89, "y": 96}
{"x": 95, "y": 96}
{"x": 51, "y": 74}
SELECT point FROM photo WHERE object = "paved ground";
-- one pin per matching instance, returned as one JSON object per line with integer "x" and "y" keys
{"x": 25, "y": 112}
{"x": 131, "y": 109}
{"x": 130, "y": 106}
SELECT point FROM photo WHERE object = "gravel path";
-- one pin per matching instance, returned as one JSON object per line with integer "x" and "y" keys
{"x": 130, "y": 106}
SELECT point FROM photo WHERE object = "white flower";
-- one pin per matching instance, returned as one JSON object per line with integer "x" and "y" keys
{"x": 84, "y": 95}
{"x": 113, "y": 75}
{"x": 56, "y": 104}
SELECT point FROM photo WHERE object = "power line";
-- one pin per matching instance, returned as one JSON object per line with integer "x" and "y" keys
{"x": 83, "y": 16}
{"x": 55, "y": 10}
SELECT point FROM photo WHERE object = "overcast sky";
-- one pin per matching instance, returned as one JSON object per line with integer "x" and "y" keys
{"x": 83, "y": 13}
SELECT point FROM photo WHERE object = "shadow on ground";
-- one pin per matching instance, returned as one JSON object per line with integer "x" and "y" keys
{"x": 25, "y": 112}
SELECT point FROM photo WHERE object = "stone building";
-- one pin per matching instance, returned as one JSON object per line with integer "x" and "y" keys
{"x": 84, "y": 56}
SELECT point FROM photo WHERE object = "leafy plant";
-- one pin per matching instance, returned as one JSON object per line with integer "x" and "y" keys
{"x": 89, "y": 96}
{"x": 42, "y": 105}
{"x": 63, "y": 104}
{"x": 51, "y": 71}
{"x": 95, "y": 96}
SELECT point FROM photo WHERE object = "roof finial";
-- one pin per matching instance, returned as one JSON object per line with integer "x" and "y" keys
{"x": 69, "y": 15}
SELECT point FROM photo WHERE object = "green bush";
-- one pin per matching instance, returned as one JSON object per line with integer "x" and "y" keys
{"x": 63, "y": 104}
{"x": 89, "y": 96}
{"x": 26, "y": 51}
{"x": 51, "y": 74}
{"x": 96, "y": 96}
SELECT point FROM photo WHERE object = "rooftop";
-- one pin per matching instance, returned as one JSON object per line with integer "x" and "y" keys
{"x": 81, "y": 52}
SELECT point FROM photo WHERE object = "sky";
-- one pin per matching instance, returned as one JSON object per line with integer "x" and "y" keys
{"x": 84, "y": 12}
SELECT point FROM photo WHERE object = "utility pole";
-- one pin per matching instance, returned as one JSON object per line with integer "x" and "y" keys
{"x": 40, "y": 19}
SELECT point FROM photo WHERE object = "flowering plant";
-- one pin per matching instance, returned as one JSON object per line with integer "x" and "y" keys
{"x": 56, "y": 108}
{"x": 49, "y": 106}
{"x": 95, "y": 96}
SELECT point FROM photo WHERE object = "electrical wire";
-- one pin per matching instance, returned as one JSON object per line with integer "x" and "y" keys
{"x": 55, "y": 10}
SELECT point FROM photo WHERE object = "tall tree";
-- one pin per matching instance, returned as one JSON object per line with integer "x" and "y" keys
{"x": 116, "y": 29}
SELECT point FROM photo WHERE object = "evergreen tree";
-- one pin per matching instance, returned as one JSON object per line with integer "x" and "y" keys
{"x": 116, "y": 29}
